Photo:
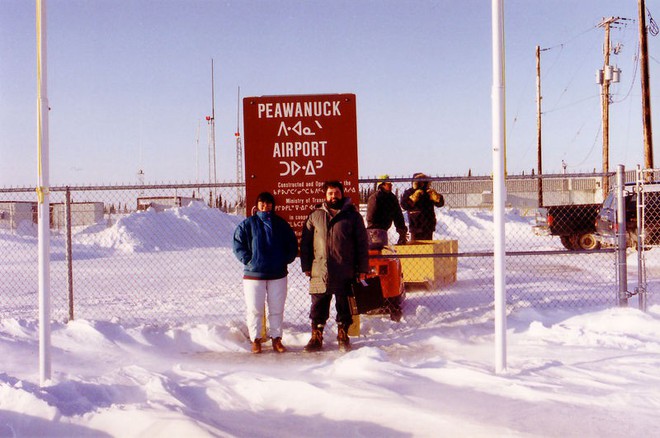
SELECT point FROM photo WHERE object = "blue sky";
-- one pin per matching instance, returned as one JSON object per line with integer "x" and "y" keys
{"x": 129, "y": 83}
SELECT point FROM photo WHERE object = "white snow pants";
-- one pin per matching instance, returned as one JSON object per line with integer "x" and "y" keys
{"x": 257, "y": 294}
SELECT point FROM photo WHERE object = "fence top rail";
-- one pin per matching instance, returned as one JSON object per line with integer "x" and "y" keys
{"x": 126, "y": 187}
{"x": 64, "y": 188}
{"x": 489, "y": 178}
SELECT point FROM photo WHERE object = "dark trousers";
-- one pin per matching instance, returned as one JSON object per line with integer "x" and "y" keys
{"x": 320, "y": 311}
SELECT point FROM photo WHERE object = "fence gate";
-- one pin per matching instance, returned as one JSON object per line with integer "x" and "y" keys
{"x": 647, "y": 233}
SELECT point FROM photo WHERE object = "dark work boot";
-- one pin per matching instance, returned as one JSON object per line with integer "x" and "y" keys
{"x": 342, "y": 338}
{"x": 316, "y": 342}
{"x": 256, "y": 346}
{"x": 277, "y": 345}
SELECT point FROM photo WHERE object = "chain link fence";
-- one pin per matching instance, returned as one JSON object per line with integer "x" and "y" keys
{"x": 640, "y": 195}
{"x": 163, "y": 253}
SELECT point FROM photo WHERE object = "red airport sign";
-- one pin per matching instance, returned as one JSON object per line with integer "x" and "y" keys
{"x": 295, "y": 143}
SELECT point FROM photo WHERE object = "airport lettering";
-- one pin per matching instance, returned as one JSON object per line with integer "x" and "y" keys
{"x": 290, "y": 149}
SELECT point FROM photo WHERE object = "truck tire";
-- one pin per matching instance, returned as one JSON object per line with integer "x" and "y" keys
{"x": 568, "y": 242}
{"x": 587, "y": 242}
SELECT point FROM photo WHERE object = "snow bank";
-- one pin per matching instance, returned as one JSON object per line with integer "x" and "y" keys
{"x": 194, "y": 226}
{"x": 570, "y": 373}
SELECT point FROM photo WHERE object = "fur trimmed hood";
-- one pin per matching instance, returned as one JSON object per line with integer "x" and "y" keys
{"x": 420, "y": 180}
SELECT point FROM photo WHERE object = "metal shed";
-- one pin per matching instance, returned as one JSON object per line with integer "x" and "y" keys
{"x": 82, "y": 213}
{"x": 12, "y": 213}
{"x": 160, "y": 203}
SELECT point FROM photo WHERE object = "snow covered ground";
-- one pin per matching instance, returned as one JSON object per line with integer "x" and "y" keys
{"x": 570, "y": 372}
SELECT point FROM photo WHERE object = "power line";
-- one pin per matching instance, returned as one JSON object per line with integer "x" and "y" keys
{"x": 561, "y": 45}
{"x": 634, "y": 75}
{"x": 653, "y": 26}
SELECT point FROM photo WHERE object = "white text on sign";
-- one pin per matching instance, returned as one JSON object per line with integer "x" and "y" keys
{"x": 291, "y": 167}
{"x": 299, "y": 149}
{"x": 298, "y": 109}
{"x": 298, "y": 128}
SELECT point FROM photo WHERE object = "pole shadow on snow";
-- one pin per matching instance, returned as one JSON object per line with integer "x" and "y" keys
{"x": 14, "y": 424}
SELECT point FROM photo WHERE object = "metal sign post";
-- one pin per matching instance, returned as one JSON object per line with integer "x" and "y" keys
{"x": 499, "y": 187}
{"x": 43, "y": 197}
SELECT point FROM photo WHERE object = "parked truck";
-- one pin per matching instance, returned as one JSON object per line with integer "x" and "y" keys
{"x": 606, "y": 221}
{"x": 574, "y": 224}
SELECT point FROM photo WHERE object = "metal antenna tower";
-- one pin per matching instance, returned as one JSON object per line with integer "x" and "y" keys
{"x": 199, "y": 126}
{"x": 239, "y": 149}
{"x": 239, "y": 145}
{"x": 140, "y": 173}
{"x": 213, "y": 176}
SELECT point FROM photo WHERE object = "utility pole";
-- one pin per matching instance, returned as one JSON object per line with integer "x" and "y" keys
{"x": 646, "y": 92}
{"x": 605, "y": 76}
{"x": 539, "y": 156}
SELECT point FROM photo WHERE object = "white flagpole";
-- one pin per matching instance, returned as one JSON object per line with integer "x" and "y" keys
{"x": 43, "y": 197}
{"x": 499, "y": 187}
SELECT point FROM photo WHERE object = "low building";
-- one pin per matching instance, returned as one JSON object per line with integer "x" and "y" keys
{"x": 12, "y": 213}
{"x": 160, "y": 203}
{"x": 82, "y": 213}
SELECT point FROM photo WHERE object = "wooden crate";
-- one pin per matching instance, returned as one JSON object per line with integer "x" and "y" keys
{"x": 432, "y": 271}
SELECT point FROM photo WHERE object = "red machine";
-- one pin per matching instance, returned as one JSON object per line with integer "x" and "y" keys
{"x": 389, "y": 271}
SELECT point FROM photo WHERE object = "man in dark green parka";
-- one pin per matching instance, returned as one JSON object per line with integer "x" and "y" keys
{"x": 333, "y": 253}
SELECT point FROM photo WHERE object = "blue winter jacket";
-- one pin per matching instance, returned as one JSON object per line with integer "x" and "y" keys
{"x": 263, "y": 259}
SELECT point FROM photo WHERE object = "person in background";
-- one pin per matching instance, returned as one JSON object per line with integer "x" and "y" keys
{"x": 383, "y": 209}
{"x": 333, "y": 253}
{"x": 420, "y": 201}
{"x": 265, "y": 243}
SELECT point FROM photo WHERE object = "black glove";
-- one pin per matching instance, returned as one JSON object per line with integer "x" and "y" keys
{"x": 402, "y": 238}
